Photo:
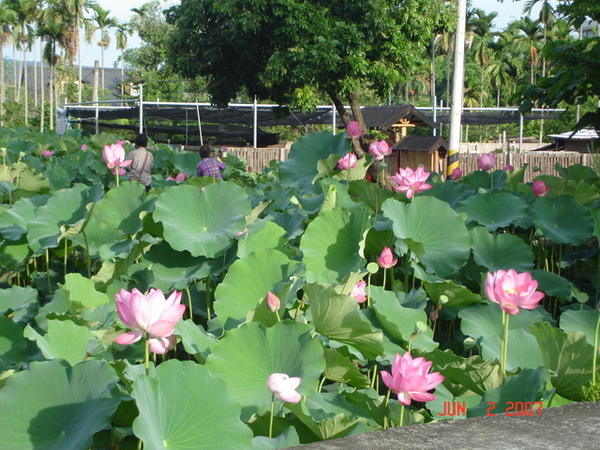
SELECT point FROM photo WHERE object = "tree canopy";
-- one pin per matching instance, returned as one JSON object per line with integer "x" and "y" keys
{"x": 289, "y": 51}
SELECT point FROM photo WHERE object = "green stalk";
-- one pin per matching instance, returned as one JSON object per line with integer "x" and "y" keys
{"x": 374, "y": 376}
{"x": 504, "y": 343}
{"x": 208, "y": 297}
{"x": 369, "y": 289}
{"x": 386, "y": 409}
{"x": 406, "y": 270}
{"x": 147, "y": 355}
{"x": 594, "y": 360}
{"x": 187, "y": 290}
{"x": 48, "y": 271}
{"x": 272, "y": 414}
{"x": 401, "y": 423}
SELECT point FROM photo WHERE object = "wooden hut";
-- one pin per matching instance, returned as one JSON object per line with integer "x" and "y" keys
{"x": 427, "y": 151}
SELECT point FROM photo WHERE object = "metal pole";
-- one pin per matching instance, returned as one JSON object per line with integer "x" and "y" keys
{"x": 199, "y": 124}
{"x": 141, "y": 108}
{"x": 97, "y": 119}
{"x": 520, "y": 132}
{"x": 255, "y": 123}
{"x": 457, "y": 88}
{"x": 334, "y": 116}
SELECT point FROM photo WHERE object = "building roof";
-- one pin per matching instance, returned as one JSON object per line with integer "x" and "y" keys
{"x": 585, "y": 134}
{"x": 427, "y": 144}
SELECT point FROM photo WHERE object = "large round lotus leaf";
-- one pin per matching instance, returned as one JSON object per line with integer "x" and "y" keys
{"x": 183, "y": 406}
{"x": 248, "y": 280}
{"x": 261, "y": 234}
{"x": 64, "y": 209}
{"x": 12, "y": 343}
{"x": 500, "y": 251}
{"x": 333, "y": 245}
{"x": 563, "y": 220}
{"x": 173, "y": 269}
{"x": 55, "y": 406}
{"x": 13, "y": 222}
{"x": 494, "y": 209}
{"x": 300, "y": 169}
{"x": 248, "y": 355}
{"x": 202, "y": 221}
{"x": 435, "y": 234}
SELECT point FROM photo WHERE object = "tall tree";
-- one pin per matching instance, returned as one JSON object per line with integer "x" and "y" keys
{"x": 7, "y": 20}
{"x": 547, "y": 17}
{"x": 104, "y": 22}
{"x": 531, "y": 37}
{"x": 481, "y": 24}
{"x": 276, "y": 49}
{"x": 123, "y": 30}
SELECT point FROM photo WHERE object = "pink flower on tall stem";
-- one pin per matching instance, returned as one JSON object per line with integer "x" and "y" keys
{"x": 539, "y": 188}
{"x": 386, "y": 259}
{"x": 456, "y": 174}
{"x": 508, "y": 167}
{"x": 380, "y": 149}
{"x": 273, "y": 302}
{"x": 512, "y": 290}
{"x": 348, "y": 161}
{"x": 486, "y": 161}
{"x": 180, "y": 177}
{"x": 84, "y": 147}
{"x": 411, "y": 181}
{"x": 150, "y": 315}
{"x": 114, "y": 157}
{"x": 359, "y": 291}
{"x": 354, "y": 130}
{"x": 284, "y": 387}
{"x": 47, "y": 153}
{"x": 410, "y": 379}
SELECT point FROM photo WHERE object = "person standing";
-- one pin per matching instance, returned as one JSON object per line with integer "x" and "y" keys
{"x": 142, "y": 162}
{"x": 210, "y": 166}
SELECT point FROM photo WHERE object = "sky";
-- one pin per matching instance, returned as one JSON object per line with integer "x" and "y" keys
{"x": 121, "y": 9}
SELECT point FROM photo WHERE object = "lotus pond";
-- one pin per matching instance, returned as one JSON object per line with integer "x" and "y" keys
{"x": 281, "y": 272}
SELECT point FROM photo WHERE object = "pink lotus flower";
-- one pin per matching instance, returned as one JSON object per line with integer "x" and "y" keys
{"x": 456, "y": 174}
{"x": 180, "y": 177}
{"x": 354, "y": 130}
{"x": 84, "y": 147}
{"x": 284, "y": 387}
{"x": 386, "y": 259}
{"x": 410, "y": 379}
{"x": 47, "y": 153}
{"x": 150, "y": 314}
{"x": 114, "y": 156}
{"x": 160, "y": 346}
{"x": 120, "y": 170}
{"x": 359, "y": 291}
{"x": 512, "y": 290}
{"x": 508, "y": 167}
{"x": 411, "y": 182}
{"x": 348, "y": 161}
{"x": 273, "y": 302}
{"x": 539, "y": 188}
{"x": 486, "y": 161}
{"x": 380, "y": 149}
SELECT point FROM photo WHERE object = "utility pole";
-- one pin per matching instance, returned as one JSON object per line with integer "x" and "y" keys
{"x": 457, "y": 88}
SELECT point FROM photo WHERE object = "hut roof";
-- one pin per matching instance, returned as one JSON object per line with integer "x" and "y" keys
{"x": 584, "y": 134}
{"x": 385, "y": 117}
{"x": 427, "y": 144}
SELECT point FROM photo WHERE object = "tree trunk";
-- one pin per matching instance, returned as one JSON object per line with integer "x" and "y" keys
{"x": 2, "y": 85}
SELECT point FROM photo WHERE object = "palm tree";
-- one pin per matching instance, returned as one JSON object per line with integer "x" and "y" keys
{"x": 123, "y": 30}
{"x": 530, "y": 36}
{"x": 103, "y": 23}
{"x": 547, "y": 17}
{"x": 481, "y": 24}
{"x": 7, "y": 21}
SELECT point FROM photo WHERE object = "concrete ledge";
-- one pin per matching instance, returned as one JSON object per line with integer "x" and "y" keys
{"x": 574, "y": 426}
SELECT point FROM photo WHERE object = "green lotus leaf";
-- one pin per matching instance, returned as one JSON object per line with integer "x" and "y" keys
{"x": 430, "y": 225}
{"x": 444, "y": 397}
{"x": 261, "y": 234}
{"x": 371, "y": 194}
{"x": 194, "y": 339}
{"x": 55, "y": 406}
{"x": 175, "y": 410}
{"x": 248, "y": 281}
{"x": 13, "y": 222}
{"x": 64, "y": 340}
{"x": 82, "y": 294}
{"x": 449, "y": 192}
{"x": 12, "y": 343}
{"x": 337, "y": 317}
{"x": 552, "y": 284}
{"x": 567, "y": 356}
{"x": 563, "y": 220}
{"x": 483, "y": 323}
{"x": 341, "y": 369}
{"x": 401, "y": 322}
{"x": 500, "y": 251}
{"x": 331, "y": 416}
{"x": 333, "y": 244}
{"x": 19, "y": 302}
{"x": 300, "y": 168}
{"x": 257, "y": 352}
{"x": 528, "y": 386}
{"x": 64, "y": 209}
{"x": 474, "y": 375}
{"x": 585, "y": 321}
{"x": 455, "y": 295}
{"x": 577, "y": 172}
{"x": 174, "y": 269}
{"x": 202, "y": 222}
{"x": 14, "y": 253}
{"x": 494, "y": 209}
